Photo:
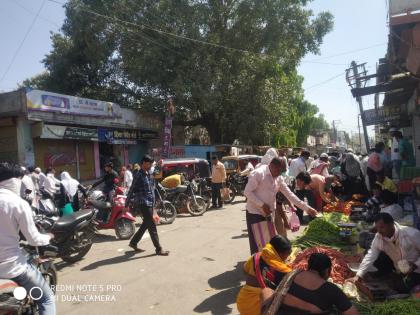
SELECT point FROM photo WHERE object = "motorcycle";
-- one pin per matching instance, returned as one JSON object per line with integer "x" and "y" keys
{"x": 165, "y": 209}
{"x": 239, "y": 182}
{"x": 203, "y": 190}
{"x": 73, "y": 234}
{"x": 184, "y": 199}
{"x": 42, "y": 259}
{"x": 115, "y": 214}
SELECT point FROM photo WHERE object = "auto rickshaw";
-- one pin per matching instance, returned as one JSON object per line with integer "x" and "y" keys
{"x": 190, "y": 167}
{"x": 236, "y": 164}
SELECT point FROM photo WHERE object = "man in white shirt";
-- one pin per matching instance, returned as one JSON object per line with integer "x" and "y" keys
{"x": 402, "y": 245}
{"x": 390, "y": 205}
{"x": 298, "y": 165}
{"x": 51, "y": 184}
{"x": 395, "y": 154}
{"x": 261, "y": 190}
{"x": 128, "y": 177}
{"x": 15, "y": 216}
{"x": 248, "y": 169}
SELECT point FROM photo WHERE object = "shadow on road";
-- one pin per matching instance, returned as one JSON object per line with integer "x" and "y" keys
{"x": 101, "y": 238}
{"x": 237, "y": 237}
{"x": 229, "y": 283}
{"x": 129, "y": 255}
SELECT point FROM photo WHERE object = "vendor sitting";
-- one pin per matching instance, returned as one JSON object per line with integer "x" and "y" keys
{"x": 173, "y": 181}
{"x": 400, "y": 246}
{"x": 390, "y": 206}
{"x": 374, "y": 203}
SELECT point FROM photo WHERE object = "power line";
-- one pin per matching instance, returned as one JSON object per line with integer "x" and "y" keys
{"x": 203, "y": 42}
{"x": 326, "y": 81}
{"x": 23, "y": 41}
{"x": 34, "y": 13}
{"x": 347, "y": 52}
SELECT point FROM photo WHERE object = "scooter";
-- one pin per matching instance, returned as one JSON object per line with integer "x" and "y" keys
{"x": 116, "y": 215}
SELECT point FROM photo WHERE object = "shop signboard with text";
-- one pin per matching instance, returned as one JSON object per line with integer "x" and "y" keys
{"x": 66, "y": 132}
{"x": 118, "y": 136}
{"x": 44, "y": 101}
{"x": 389, "y": 114}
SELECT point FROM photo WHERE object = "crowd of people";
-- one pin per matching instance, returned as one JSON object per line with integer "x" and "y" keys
{"x": 272, "y": 286}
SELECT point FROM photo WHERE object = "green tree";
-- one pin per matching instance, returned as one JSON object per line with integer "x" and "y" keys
{"x": 240, "y": 87}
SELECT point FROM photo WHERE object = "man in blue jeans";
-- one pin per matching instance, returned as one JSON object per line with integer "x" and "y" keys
{"x": 15, "y": 216}
{"x": 143, "y": 191}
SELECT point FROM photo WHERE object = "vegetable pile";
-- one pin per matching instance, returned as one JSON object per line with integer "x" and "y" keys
{"x": 394, "y": 307}
{"x": 341, "y": 206}
{"x": 336, "y": 217}
{"x": 320, "y": 232}
{"x": 339, "y": 272}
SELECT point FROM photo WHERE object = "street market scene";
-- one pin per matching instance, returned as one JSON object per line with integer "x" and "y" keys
{"x": 210, "y": 157}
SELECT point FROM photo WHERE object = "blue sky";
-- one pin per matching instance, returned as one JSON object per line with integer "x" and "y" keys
{"x": 358, "y": 24}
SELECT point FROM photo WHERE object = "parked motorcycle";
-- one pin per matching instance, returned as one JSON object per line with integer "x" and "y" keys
{"x": 42, "y": 259}
{"x": 114, "y": 215}
{"x": 203, "y": 190}
{"x": 184, "y": 199}
{"x": 73, "y": 234}
{"x": 165, "y": 209}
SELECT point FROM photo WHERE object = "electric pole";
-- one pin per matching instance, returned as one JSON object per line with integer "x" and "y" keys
{"x": 355, "y": 81}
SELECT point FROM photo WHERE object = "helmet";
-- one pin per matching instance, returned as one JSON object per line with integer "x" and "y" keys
{"x": 97, "y": 195}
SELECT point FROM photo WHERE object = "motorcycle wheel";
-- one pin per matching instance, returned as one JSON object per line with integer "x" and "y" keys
{"x": 207, "y": 198}
{"x": 232, "y": 194}
{"x": 196, "y": 209}
{"x": 50, "y": 275}
{"x": 86, "y": 235}
{"x": 124, "y": 228}
{"x": 167, "y": 213}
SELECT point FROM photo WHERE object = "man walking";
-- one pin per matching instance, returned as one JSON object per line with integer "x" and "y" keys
{"x": 263, "y": 185}
{"x": 143, "y": 189}
{"x": 218, "y": 177}
{"x": 298, "y": 165}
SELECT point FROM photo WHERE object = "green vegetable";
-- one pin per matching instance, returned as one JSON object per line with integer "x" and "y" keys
{"x": 336, "y": 217}
{"x": 320, "y": 232}
{"x": 394, "y": 307}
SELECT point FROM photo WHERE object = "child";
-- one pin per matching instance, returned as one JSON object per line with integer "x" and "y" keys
{"x": 374, "y": 203}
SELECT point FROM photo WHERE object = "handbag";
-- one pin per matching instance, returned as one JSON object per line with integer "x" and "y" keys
{"x": 225, "y": 193}
{"x": 294, "y": 222}
{"x": 263, "y": 232}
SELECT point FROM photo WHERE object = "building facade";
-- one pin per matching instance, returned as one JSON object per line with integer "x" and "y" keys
{"x": 72, "y": 133}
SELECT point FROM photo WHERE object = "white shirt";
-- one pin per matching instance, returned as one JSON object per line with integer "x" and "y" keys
{"x": 50, "y": 184}
{"x": 42, "y": 179}
{"x": 128, "y": 178}
{"x": 15, "y": 216}
{"x": 248, "y": 169}
{"x": 297, "y": 166}
{"x": 395, "y": 155}
{"x": 404, "y": 245}
{"x": 262, "y": 189}
{"x": 27, "y": 183}
{"x": 394, "y": 210}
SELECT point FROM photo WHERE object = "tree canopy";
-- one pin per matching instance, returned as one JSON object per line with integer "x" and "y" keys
{"x": 229, "y": 65}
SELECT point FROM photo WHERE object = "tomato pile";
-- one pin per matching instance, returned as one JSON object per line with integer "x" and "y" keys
{"x": 342, "y": 206}
{"x": 339, "y": 271}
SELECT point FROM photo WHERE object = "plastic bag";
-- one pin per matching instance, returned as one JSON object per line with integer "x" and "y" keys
{"x": 294, "y": 222}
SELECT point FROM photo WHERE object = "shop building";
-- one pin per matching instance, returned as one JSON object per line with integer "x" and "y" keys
{"x": 77, "y": 134}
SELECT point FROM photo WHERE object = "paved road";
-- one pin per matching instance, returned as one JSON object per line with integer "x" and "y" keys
{"x": 202, "y": 274}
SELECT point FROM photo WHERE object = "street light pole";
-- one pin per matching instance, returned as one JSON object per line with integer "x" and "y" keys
{"x": 360, "y": 135}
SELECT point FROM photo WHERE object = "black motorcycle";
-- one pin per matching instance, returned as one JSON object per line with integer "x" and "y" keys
{"x": 42, "y": 259}
{"x": 236, "y": 184}
{"x": 73, "y": 234}
{"x": 165, "y": 209}
{"x": 184, "y": 199}
{"x": 203, "y": 189}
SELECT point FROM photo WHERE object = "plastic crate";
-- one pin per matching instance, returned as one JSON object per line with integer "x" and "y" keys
{"x": 408, "y": 172}
{"x": 405, "y": 187}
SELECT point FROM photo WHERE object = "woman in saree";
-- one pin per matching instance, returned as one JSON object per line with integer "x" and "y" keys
{"x": 264, "y": 269}
{"x": 306, "y": 292}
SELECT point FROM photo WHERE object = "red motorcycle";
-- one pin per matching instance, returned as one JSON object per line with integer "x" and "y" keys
{"x": 114, "y": 215}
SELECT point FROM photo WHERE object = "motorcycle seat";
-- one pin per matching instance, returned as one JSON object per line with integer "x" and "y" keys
{"x": 70, "y": 221}
{"x": 178, "y": 189}
{"x": 101, "y": 205}
{"x": 7, "y": 286}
